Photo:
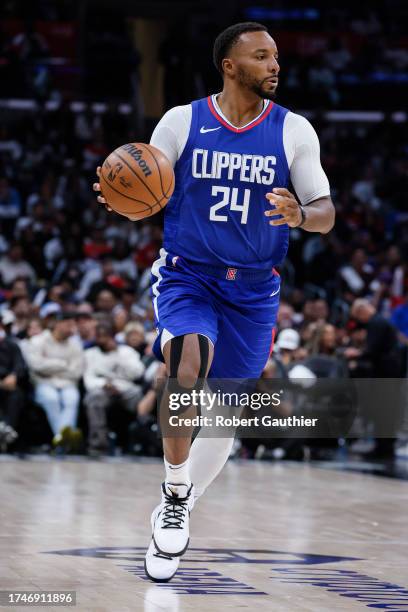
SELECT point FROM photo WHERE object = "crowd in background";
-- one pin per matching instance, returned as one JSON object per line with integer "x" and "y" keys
{"x": 77, "y": 323}
{"x": 343, "y": 56}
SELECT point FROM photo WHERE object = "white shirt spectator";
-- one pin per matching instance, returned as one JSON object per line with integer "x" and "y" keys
{"x": 10, "y": 270}
{"x": 118, "y": 368}
{"x": 59, "y": 364}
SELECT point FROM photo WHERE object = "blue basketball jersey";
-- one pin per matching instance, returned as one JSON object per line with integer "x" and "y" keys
{"x": 216, "y": 214}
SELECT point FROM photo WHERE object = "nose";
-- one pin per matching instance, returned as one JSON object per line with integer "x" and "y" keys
{"x": 274, "y": 66}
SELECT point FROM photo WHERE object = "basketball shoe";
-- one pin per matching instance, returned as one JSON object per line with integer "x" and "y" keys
{"x": 159, "y": 567}
{"x": 171, "y": 525}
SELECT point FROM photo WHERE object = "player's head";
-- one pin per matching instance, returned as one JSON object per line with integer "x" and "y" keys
{"x": 247, "y": 54}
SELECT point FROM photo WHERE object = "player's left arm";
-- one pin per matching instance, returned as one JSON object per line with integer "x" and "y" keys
{"x": 314, "y": 212}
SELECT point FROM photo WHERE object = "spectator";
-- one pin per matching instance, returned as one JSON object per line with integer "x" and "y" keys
{"x": 110, "y": 372}
{"x": 286, "y": 347}
{"x": 383, "y": 353}
{"x": 86, "y": 325}
{"x": 13, "y": 373}
{"x": 13, "y": 266}
{"x": 382, "y": 348}
{"x": 357, "y": 275}
{"x": 22, "y": 310}
{"x": 323, "y": 340}
{"x": 56, "y": 360}
{"x": 10, "y": 206}
{"x": 135, "y": 336}
{"x": 143, "y": 438}
{"x": 105, "y": 301}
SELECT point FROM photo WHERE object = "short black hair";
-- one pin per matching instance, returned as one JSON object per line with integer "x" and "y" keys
{"x": 229, "y": 37}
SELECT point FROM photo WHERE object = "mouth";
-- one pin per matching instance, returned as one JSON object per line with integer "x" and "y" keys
{"x": 272, "y": 80}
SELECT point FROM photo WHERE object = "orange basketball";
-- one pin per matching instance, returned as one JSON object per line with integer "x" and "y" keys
{"x": 137, "y": 179}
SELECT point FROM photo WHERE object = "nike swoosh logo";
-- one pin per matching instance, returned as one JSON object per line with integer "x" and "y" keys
{"x": 205, "y": 130}
{"x": 275, "y": 292}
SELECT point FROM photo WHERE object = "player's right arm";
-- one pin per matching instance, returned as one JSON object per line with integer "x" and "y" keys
{"x": 170, "y": 136}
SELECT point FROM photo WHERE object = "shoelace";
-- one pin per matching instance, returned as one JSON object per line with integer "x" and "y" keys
{"x": 173, "y": 512}
{"x": 162, "y": 556}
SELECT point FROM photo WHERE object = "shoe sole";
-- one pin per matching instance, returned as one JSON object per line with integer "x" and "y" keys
{"x": 173, "y": 554}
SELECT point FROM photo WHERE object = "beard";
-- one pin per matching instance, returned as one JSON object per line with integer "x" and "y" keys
{"x": 256, "y": 86}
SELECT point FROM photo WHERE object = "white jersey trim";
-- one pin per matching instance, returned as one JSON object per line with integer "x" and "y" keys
{"x": 241, "y": 127}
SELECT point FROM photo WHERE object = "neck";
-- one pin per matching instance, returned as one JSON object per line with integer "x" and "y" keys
{"x": 57, "y": 336}
{"x": 240, "y": 106}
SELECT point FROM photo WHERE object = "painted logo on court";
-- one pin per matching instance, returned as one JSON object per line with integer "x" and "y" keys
{"x": 195, "y": 577}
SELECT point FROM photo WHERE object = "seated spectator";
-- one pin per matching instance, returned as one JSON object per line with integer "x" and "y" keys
{"x": 285, "y": 352}
{"x": 34, "y": 327}
{"x": 10, "y": 206}
{"x": 105, "y": 301}
{"x": 143, "y": 438}
{"x": 135, "y": 336}
{"x": 86, "y": 325}
{"x": 22, "y": 310}
{"x": 357, "y": 275}
{"x": 13, "y": 266}
{"x": 384, "y": 356}
{"x": 13, "y": 373}
{"x": 322, "y": 339}
{"x": 110, "y": 372}
{"x": 382, "y": 348}
{"x": 56, "y": 360}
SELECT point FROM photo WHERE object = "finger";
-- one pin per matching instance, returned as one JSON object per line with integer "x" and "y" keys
{"x": 282, "y": 209}
{"x": 96, "y": 187}
{"x": 98, "y": 171}
{"x": 279, "y": 222}
{"x": 275, "y": 198}
{"x": 101, "y": 200}
{"x": 283, "y": 191}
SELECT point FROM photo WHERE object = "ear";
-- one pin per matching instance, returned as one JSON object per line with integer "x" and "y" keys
{"x": 228, "y": 66}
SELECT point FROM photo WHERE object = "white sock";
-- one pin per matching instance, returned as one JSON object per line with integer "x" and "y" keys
{"x": 207, "y": 458}
{"x": 178, "y": 474}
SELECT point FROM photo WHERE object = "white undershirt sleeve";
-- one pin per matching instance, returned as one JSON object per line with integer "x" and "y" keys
{"x": 302, "y": 151}
{"x": 171, "y": 133}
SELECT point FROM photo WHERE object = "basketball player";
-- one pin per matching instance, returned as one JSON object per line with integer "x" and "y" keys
{"x": 215, "y": 288}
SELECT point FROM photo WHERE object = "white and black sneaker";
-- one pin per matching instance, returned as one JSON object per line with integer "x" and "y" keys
{"x": 158, "y": 566}
{"x": 171, "y": 527}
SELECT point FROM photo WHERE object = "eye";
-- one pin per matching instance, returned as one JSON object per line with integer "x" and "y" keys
{"x": 260, "y": 57}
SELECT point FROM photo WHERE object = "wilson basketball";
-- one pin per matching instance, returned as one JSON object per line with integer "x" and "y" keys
{"x": 137, "y": 179}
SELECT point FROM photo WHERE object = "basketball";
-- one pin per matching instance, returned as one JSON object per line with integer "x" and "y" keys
{"x": 137, "y": 179}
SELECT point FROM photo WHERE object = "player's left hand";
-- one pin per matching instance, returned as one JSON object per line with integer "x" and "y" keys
{"x": 286, "y": 205}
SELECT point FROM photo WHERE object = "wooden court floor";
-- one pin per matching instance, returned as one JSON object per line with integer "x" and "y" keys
{"x": 276, "y": 537}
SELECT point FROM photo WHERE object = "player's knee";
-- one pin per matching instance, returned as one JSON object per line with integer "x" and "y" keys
{"x": 187, "y": 364}
{"x": 187, "y": 375}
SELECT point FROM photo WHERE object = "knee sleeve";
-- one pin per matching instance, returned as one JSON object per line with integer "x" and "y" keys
{"x": 176, "y": 349}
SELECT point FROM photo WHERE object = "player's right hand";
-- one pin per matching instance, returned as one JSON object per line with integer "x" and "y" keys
{"x": 97, "y": 187}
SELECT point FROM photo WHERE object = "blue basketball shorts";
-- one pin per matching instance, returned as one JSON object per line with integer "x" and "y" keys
{"x": 237, "y": 316}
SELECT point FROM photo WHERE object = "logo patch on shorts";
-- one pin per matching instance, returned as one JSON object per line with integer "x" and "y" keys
{"x": 231, "y": 274}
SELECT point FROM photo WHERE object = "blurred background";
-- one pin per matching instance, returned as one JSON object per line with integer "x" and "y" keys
{"x": 79, "y": 78}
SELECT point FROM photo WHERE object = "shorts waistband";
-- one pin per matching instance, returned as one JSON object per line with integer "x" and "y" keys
{"x": 226, "y": 273}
